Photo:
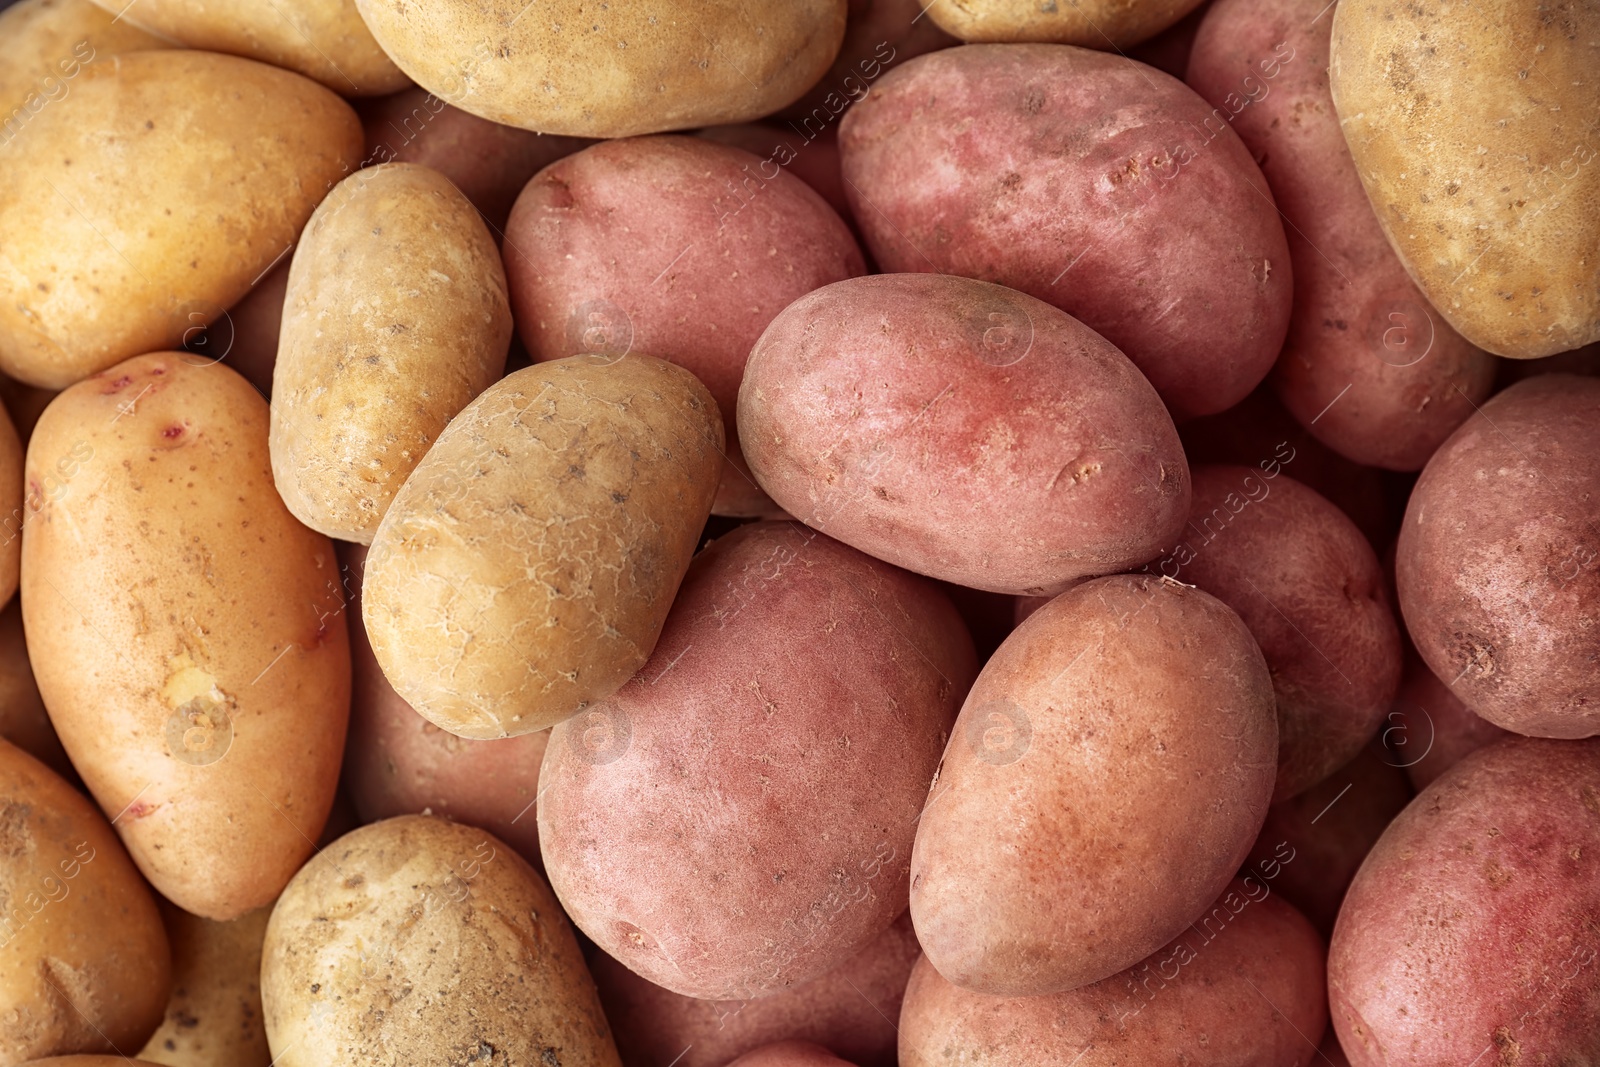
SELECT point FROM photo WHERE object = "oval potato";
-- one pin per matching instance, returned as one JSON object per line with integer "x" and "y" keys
{"x": 214, "y": 1015}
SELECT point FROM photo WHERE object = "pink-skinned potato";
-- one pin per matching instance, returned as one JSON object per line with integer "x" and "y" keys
{"x": 961, "y": 430}
{"x": 1091, "y": 182}
{"x": 790, "y": 1054}
{"x": 1429, "y": 730}
{"x": 813, "y": 157}
{"x": 1469, "y": 932}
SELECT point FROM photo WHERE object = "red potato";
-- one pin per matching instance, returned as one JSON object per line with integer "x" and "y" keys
{"x": 1091, "y": 182}
{"x": 1428, "y": 729}
{"x": 1369, "y": 367}
{"x": 813, "y": 158}
{"x": 790, "y": 1054}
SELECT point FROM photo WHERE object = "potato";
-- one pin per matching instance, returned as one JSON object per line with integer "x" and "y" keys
{"x": 1479, "y": 172}
{"x": 814, "y": 159}
{"x": 134, "y": 216}
{"x": 790, "y": 1054}
{"x": 395, "y": 318}
{"x": 782, "y": 790}
{"x": 850, "y": 1010}
{"x": 1498, "y": 564}
{"x": 525, "y": 569}
{"x": 84, "y": 963}
{"x": 415, "y": 940}
{"x": 214, "y": 1015}
{"x": 44, "y": 44}
{"x": 1469, "y": 930}
{"x": 1428, "y": 729}
{"x": 1099, "y": 24}
{"x": 185, "y": 630}
{"x": 878, "y": 34}
{"x": 1242, "y": 987}
{"x": 1065, "y": 173}
{"x": 1044, "y": 862}
{"x": 961, "y": 430}
{"x": 90, "y": 1061}
{"x": 23, "y": 719}
{"x": 630, "y": 67}
{"x": 1369, "y": 368}
{"x": 718, "y": 242}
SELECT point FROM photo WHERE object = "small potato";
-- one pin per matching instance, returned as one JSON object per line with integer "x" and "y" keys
{"x": 44, "y": 44}
{"x": 961, "y": 430}
{"x": 1428, "y": 729}
{"x": 23, "y": 718}
{"x": 395, "y": 318}
{"x": 186, "y": 632}
{"x": 772, "y": 755}
{"x": 629, "y": 67}
{"x": 418, "y": 941}
{"x": 790, "y": 1054}
{"x": 526, "y": 567}
{"x": 1242, "y": 987}
{"x": 1469, "y": 932}
{"x": 1097, "y": 24}
{"x": 113, "y": 240}
{"x": 84, "y": 962}
{"x": 214, "y": 1016}
{"x": 1108, "y": 773}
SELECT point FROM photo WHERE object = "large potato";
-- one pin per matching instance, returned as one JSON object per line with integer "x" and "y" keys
{"x": 214, "y": 1015}
{"x": 1498, "y": 564}
{"x": 622, "y": 68}
{"x": 1428, "y": 729}
{"x": 1109, "y": 24}
{"x": 1108, "y": 773}
{"x": 84, "y": 963}
{"x": 418, "y": 941}
{"x": 1091, "y": 182}
{"x": 186, "y": 631}
{"x": 1469, "y": 932}
{"x": 961, "y": 430}
{"x": 44, "y": 44}
{"x": 1472, "y": 127}
{"x": 773, "y": 755}
{"x": 1369, "y": 368}
{"x": 717, "y": 242}
{"x": 526, "y": 567}
{"x": 148, "y": 200}
{"x": 395, "y": 318}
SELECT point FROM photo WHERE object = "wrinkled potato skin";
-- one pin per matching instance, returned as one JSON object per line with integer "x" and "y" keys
{"x": 790, "y": 1054}
{"x": 526, "y": 567}
{"x": 630, "y": 67}
{"x": 214, "y": 1016}
{"x": 1472, "y": 127}
{"x": 417, "y": 940}
{"x": 84, "y": 963}
{"x": 323, "y": 39}
{"x": 1088, "y": 181}
{"x": 1100, "y": 24}
{"x": 1198, "y": 1001}
{"x": 850, "y": 1010}
{"x": 782, "y": 789}
{"x": 1429, "y": 730}
{"x": 1012, "y": 891}
{"x": 1498, "y": 563}
{"x": 175, "y": 609}
{"x": 1495, "y": 861}
{"x": 44, "y": 44}
{"x": 112, "y": 200}
{"x": 395, "y": 318}
{"x": 963, "y": 431}
{"x": 1369, "y": 368}
{"x": 23, "y": 718}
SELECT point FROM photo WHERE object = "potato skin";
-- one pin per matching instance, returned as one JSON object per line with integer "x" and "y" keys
{"x": 113, "y": 239}
{"x": 1493, "y": 861}
{"x": 1011, "y": 893}
{"x": 84, "y": 963}
{"x": 782, "y": 790}
{"x": 526, "y": 567}
{"x": 44, "y": 44}
{"x": 186, "y": 631}
{"x": 961, "y": 430}
{"x": 1101, "y": 24}
{"x": 790, "y": 1054}
{"x": 1368, "y": 368}
{"x": 214, "y": 1014}
{"x": 395, "y": 318}
{"x": 416, "y": 940}
{"x": 1203, "y": 1001}
{"x": 1479, "y": 174}
{"x": 1429, "y": 730}
{"x": 631, "y": 67}
{"x": 1091, "y": 182}
{"x": 1498, "y": 563}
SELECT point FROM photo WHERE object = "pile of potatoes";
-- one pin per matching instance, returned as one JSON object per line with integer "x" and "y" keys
{"x": 817, "y": 533}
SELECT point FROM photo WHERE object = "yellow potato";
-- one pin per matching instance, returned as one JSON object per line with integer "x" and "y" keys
{"x": 1110, "y": 25}
{"x": 145, "y": 202}
{"x": 187, "y": 633}
{"x": 84, "y": 964}
{"x": 214, "y": 1014}
{"x": 396, "y": 316}
{"x": 322, "y": 39}
{"x": 526, "y": 567}
{"x": 613, "y": 69}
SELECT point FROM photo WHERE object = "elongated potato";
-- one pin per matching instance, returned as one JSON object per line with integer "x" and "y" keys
{"x": 45, "y": 44}
{"x": 395, "y": 318}
{"x": 84, "y": 963}
{"x": 526, "y": 568}
{"x": 186, "y": 631}
{"x": 114, "y": 245}
{"x": 214, "y": 1015}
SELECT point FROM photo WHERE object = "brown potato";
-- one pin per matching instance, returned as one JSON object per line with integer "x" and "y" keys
{"x": 44, "y": 44}
{"x": 1428, "y": 729}
{"x": 1096, "y": 24}
{"x": 214, "y": 1015}
{"x": 23, "y": 718}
